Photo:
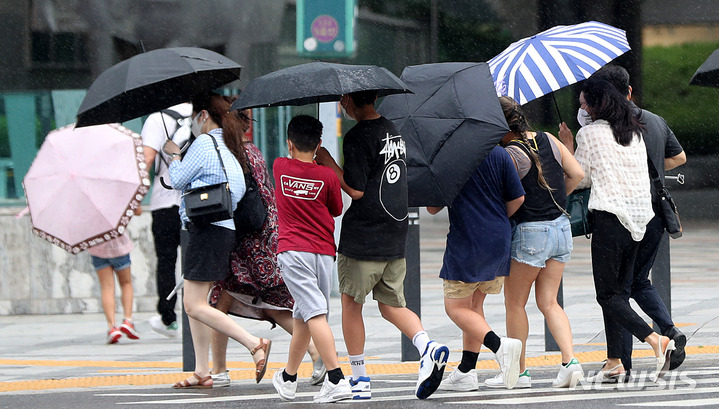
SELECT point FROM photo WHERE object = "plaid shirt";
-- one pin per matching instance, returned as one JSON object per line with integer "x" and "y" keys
{"x": 201, "y": 167}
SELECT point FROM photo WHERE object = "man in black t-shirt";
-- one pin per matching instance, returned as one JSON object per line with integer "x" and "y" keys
{"x": 372, "y": 240}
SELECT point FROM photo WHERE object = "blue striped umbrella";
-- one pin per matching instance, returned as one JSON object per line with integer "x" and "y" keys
{"x": 561, "y": 56}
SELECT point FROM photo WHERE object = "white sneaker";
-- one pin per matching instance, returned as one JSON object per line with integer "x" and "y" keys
{"x": 361, "y": 388}
{"x": 460, "y": 381}
{"x": 523, "y": 381}
{"x": 510, "y": 350}
{"x": 220, "y": 379}
{"x": 333, "y": 393}
{"x": 569, "y": 376}
{"x": 158, "y": 326}
{"x": 431, "y": 369}
{"x": 286, "y": 389}
{"x": 318, "y": 372}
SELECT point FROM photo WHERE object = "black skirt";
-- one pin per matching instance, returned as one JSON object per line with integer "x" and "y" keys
{"x": 207, "y": 257}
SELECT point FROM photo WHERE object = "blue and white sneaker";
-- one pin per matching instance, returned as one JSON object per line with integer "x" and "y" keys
{"x": 431, "y": 369}
{"x": 360, "y": 388}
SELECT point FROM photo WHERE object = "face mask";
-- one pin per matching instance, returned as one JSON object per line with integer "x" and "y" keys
{"x": 197, "y": 127}
{"x": 345, "y": 114}
{"x": 583, "y": 117}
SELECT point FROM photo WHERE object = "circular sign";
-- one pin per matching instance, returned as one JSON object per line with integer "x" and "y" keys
{"x": 393, "y": 173}
{"x": 324, "y": 28}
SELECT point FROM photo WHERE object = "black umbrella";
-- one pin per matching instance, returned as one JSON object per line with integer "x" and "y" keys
{"x": 316, "y": 82}
{"x": 152, "y": 81}
{"x": 449, "y": 124}
{"x": 707, "y": 74}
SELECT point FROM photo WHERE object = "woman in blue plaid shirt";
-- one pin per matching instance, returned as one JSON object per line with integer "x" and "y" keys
{"x": 209, "y": 246}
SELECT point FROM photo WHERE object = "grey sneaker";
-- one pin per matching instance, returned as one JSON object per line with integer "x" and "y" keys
{"x": 318, "y": 372}
{"x": 460, "y": 381}
{"x": 333, "y": 393}
{"x": 220, "y": 379}
{"x": 286, "y": 389}
{"x": 158, "y": 326}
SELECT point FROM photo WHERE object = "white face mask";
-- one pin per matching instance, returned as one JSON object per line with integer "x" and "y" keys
{"x": 344, "y": 113}
{"x": 197, "y": 127}
{"x": 583, "y": 117}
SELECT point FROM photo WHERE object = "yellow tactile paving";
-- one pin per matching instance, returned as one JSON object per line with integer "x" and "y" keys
{"x": 245, "y": 370}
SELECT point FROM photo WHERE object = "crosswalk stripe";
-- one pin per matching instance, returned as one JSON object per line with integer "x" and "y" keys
{"x": 677, "y": 403}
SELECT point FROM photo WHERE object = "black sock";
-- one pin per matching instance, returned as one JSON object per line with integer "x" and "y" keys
{"x": 565, "y": 363}
{"x": 287, "y": 377}
{"x": 469, "y": 361}
{"x": 335, "y": 375}
{"x": 491, "y": 340}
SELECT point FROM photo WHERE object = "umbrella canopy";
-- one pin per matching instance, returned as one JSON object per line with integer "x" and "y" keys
{"x": 449, "y": 124}
{"x": 707, "y": 74}
{"x": 561, "y": 56}
{"x": 152, "y": 81}
{"x": 84, "y": 184}
{"x": 316, "y": 82}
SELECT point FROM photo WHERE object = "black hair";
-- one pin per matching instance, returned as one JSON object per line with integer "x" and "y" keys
{"x": 218, "y": 107}
{"x": 362, "y": 98}
{"x": 615, "y": 75}
{"x": 605, "y": 102}
{"x": 304, "y": 132}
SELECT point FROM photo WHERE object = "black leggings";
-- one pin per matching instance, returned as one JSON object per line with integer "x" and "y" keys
{"x": 613, "y": 255}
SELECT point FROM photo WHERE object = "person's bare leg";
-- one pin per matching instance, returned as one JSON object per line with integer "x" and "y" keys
{"x": 124, "y": 278}
{"x": 546, "y": 289}
{"x": 219, "y": 340}
{"x": 517, "y": 287}
{"x": 352, "y": 326}
{"x": 284, "y": 319}
{"x": 106, "y": 277}
{"x": 403, "y": 318}
{"x": 196, "y": 307}
{"x": 461, "y": 312}
{"x": 324, "y": 340}
{"x": 469, "y": 343}
{"x": 298, "y": 346}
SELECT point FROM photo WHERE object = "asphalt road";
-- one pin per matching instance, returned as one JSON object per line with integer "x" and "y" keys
{"x": 696, "y": 383}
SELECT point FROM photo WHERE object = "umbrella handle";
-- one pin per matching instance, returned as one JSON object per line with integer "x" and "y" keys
{"x": 165, "y": 185}
{"x": 557, "y": 107}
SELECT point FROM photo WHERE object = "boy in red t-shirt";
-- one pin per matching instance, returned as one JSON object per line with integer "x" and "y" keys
{"x": 308, "y": 197}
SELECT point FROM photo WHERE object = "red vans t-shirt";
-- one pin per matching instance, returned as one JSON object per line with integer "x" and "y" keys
{"x": 308, "y": 198}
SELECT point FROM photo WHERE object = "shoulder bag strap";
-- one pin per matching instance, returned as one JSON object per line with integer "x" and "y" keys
{"x": 217, "y": 148}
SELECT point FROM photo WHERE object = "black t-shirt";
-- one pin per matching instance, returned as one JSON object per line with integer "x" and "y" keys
{"x": 375, "y": 226}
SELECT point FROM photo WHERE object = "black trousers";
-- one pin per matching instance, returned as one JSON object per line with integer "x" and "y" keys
{"x": 613, "y": 256}
{"x": 166, "y": 226}
{"x": 642, "y": 290}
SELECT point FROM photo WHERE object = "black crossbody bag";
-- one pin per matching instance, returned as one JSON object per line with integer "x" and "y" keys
{"x": 668, "y": 209}
{"x": 208, "y": 204}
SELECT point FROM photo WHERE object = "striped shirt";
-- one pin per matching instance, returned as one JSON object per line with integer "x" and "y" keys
{"x": 618, "y": 176}
{"x": 201, "y": 167}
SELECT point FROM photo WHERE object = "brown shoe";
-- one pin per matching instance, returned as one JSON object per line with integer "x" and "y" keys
{"x": 261, "y": 365}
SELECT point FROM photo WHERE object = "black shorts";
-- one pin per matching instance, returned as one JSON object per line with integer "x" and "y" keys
{"x": 207, "y": 257}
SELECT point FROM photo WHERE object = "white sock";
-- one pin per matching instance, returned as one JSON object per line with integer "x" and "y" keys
{"x": 357, "y": 365}
{"x": 420, "y": 341}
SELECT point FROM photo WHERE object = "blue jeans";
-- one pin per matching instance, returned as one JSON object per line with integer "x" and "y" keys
{"x": 534, "y": 243}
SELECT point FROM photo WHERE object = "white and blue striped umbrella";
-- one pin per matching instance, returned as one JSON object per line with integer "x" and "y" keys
{"x": 561, "y": 56}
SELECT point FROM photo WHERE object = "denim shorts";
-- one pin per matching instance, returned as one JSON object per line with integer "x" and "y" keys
{"x": 534, "y": 243}
{"x": 117, "y": 263}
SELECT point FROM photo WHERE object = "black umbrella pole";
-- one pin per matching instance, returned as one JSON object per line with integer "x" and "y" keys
{"x": 412, "y": 290}
{"x": 556, "y": 106}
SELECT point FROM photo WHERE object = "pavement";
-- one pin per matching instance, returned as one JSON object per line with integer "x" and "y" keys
{"x": 46, "y": 352}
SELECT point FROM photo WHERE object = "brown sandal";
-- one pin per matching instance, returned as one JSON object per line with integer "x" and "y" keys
{"x": 260, "y": 366}
{"x": 202, "y": 383}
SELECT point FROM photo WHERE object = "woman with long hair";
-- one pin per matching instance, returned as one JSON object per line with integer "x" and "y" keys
{"x": 614, "y": 158}
{"x": 542, "y": 239}
{"x": 208, "y": 250}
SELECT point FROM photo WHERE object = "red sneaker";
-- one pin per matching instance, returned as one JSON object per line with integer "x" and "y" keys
{"x": 113, "y": 335}
{"x": 129, "y": 329}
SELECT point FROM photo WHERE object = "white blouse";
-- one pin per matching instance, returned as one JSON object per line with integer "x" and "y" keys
{"x": 618, "y": 176}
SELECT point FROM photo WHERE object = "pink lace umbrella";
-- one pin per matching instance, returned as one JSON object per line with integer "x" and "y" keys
{"x": 84, "y": 185}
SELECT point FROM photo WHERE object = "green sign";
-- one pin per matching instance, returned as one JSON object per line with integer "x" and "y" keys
{"x": 325, "y": 28}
